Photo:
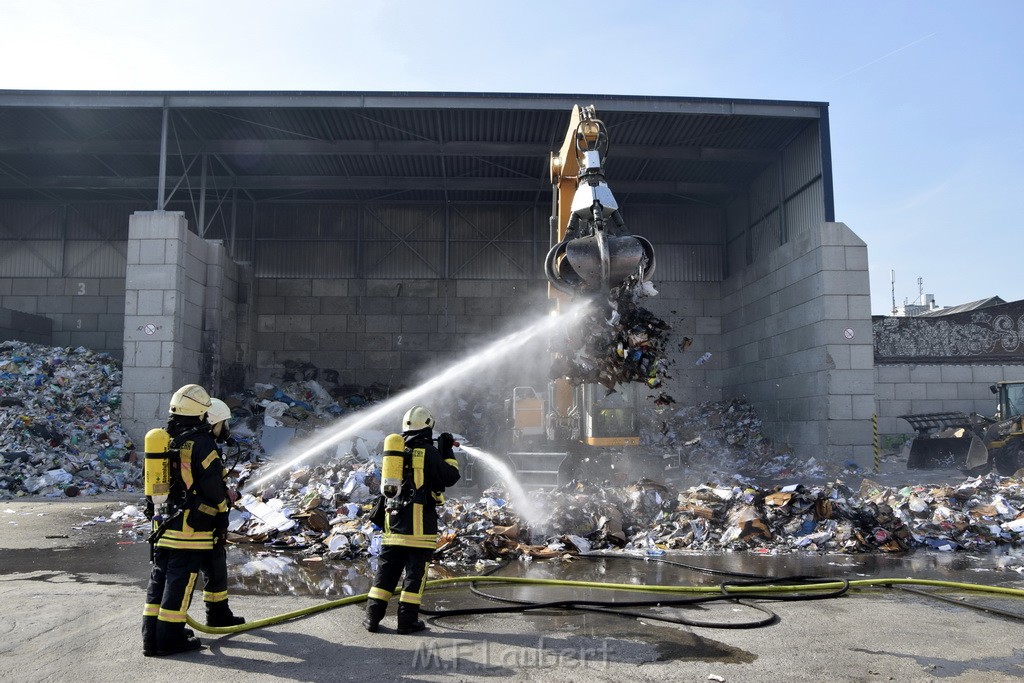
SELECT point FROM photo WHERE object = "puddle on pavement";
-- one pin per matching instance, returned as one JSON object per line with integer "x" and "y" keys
{"x": 93, "y": 564}
{"x": 939, "y": 667}
{"x": 261, "y": 572}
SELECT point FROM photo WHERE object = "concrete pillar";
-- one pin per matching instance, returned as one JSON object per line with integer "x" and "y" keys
{"x": 169, "y": 307}
{"x": 797, "y": 331}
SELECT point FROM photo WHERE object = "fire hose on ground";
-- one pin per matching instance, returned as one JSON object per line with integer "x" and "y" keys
{"x": 780, "y": 589}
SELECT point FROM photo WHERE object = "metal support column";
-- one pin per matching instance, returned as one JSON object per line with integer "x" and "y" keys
{"x": 161, "y": 186}
{"x": 234, "y": 224}
{"x": 201, "y": 228}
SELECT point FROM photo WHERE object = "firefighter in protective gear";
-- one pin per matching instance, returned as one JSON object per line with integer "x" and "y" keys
{"x": 182, "y": 539}
{"x": 215, "y": 561}
{"x": 410, "y": 520}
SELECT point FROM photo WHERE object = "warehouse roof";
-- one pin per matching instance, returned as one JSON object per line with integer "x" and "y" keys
{"x": 365, "y": 146}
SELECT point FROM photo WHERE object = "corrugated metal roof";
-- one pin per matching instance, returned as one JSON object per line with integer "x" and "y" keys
{"x": 370, "y": 146}
{"x": 962, "y": 308}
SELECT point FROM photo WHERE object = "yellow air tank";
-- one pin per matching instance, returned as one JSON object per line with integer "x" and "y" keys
{"x": 392, "y": 465}
{"x": 158, "y": 466}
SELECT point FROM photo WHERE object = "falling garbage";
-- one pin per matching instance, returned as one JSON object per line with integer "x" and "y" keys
{"x": 615, "y": 342}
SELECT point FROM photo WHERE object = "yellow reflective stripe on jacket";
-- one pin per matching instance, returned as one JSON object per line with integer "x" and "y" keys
{"x": 186, "y": 538}
{"x": 417, "y": 519}
{"x": 411, "y": 541}
{"x": 185, "y": 462}
{"x": 208, "y": 509}
{"x": 209, "y": 460}
{"x": 453, "y": 462}
{"x": 418, "y": 456}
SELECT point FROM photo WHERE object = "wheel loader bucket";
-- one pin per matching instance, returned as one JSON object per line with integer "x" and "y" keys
{"x": 964, "y": 452}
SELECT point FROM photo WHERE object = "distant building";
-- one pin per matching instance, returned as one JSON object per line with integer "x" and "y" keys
{"x": 925, "y": 304}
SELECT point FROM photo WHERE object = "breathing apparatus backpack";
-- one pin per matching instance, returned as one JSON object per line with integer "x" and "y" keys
{"x": 164, "y": 487}
{"x": 401, "y": 473}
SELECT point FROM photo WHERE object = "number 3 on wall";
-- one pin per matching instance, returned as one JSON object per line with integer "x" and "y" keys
{"x": 81, "y": 288}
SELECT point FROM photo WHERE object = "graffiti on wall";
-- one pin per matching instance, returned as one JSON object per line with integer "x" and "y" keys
{"x": 990, "y": 335}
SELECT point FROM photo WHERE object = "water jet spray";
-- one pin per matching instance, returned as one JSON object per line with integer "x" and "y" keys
{"x": 365, "y": 418}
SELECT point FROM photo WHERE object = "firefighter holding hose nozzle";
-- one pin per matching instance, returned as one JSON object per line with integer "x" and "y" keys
{"x": 414, "y": 475}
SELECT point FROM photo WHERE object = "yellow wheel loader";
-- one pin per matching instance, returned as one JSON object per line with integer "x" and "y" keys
{"x": 974, "y": 444}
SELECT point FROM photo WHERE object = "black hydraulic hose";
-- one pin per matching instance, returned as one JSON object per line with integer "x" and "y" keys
{"x": 684, "y": 565}
{"x": 619, "y": 608}
{"x": 961, "y": 603}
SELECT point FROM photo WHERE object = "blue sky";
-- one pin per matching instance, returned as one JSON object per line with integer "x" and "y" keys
{"x": 926, "y": 98}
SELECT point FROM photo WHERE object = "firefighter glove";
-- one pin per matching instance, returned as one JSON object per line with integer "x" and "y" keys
{"x": 445, "y": 441}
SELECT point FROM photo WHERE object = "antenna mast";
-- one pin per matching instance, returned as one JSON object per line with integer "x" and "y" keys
{"x": 892, "y": 278}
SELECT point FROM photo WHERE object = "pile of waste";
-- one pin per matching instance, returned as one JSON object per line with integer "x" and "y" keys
{"x": 328, "y": 518}
{"x": 614, "y": 342}
{"x": 320, "y": 511}
{"x": 60, "y": 430}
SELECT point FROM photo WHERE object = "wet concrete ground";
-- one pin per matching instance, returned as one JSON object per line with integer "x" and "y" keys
{"x": 73, "y": 598}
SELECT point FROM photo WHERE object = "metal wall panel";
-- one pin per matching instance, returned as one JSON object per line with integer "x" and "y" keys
{"x": 412, "y": 259}
{"x": 29, "y": 219}
{"x": 303, "y": 221}
{"x": 764, "y": 193}
{"x": 806, "y": 211}
{"x": 676, "y": 224}
{"x": 737, "y": 217}
{"x": 30, "y": 258}
{"x": 304, "y": 259}
{"x": 736, "y": 253}
{"x": 764, "y": 236}
{"x": 494, "y": 261}
{"x": 384, "y": 222}
{"x": 102, "y": 221}
{"x": 95, "y": 258}
{"x": 496, "y": 221}
{"x": 801, "y": 160}
{"x": 688, "y": 263}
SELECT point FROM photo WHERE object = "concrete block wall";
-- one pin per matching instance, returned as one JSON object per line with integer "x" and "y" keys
{"x": 694, "y": 310}
{"x": 174, "y": 315}
{"x": 388, "y": 331}
{"x": 382, "y": 331}
{"x": 929, "y": 388}
{"x": 25, "y": 327}
{"x": 85, "y": 312}
{"x": 796, "y": 336}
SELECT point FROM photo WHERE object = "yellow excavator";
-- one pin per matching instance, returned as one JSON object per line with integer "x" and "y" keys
{"x": 592, "y": 252}
{"x": 975, "y": 444}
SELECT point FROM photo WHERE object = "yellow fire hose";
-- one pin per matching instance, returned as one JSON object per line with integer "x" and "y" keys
{"x": 732, "y": 590}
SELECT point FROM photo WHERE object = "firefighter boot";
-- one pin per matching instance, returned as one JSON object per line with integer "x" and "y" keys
{"x": 148, "y": 636}
{"x": 171, "y": 639}
{"x": 407, "y": 618}
{"x": 375, "y": 610}
{"x": 219, "y": 614}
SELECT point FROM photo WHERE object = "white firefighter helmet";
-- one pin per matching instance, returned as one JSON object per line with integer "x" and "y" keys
{"x": 417, "y": 418}
{"x": 219, "y": 411}
{"x": 191, "y": 399}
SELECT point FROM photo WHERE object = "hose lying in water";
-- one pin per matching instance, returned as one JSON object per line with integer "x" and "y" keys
{"x": 794, "y": 588}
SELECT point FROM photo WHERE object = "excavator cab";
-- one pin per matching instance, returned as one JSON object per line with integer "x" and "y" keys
{"x": 609, "y": 419}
